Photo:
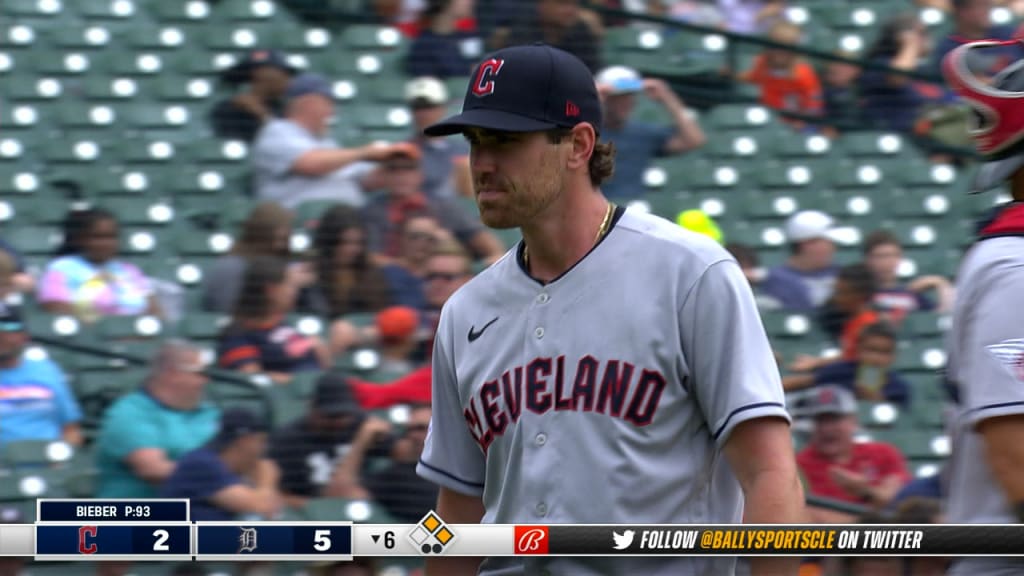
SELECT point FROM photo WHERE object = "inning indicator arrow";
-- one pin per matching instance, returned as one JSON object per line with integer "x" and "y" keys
{"x": 375, "y": 538}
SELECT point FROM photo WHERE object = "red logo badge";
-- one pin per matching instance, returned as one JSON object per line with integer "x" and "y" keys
{"x": 531, "y": 540}
{"x": 85, "y": 536}
{"x": 571, "y": 110}
{"x": 484, "y": 84}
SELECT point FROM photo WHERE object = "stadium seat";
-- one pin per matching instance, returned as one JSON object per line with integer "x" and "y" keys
{"x": 130, "y": 328}
{"x": 926, "y": 324}
{"x": 22, "y": 453}
{"x": 203, "y": 326}
{"x": 34, "y": 240}
{"x": 191, "y": 11}
{"x": 736, "y": 116}
{"x": 363, "y": 37}
{"x": 793, "y": 175}
{"x": 81, "y": 483}
{"x": 923, "y": 203}
{"x": 341, "y": 509}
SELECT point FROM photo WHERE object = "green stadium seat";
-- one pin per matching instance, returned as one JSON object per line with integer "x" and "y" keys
{"x": 64, "y": 151}
{"x": 146, "y": 37}
{"x": 34, "y": 240}
{"x": 758, "y": 204}
{"x": 133, "y": 63}
{"x": 30, "y": 8}
{"x": 192, "y": 12}
{"x": 203, "y": 326}
{"x": 82, "y": 483}
{"x": 180, "y": 88}
{"x": 736, "y": 145}
{"x": 926, "y": 324}
{"x": 124, "y": 10}
{"x": 148, "y": 152}
{"x": 852, "y": 204}
{"x": 18, "y": 35}
{"x": 921, "y": 355}
{"x": 35, "y": 453}
{"x": 32, "y": 209}
{"x": 33, "y": 483}
{"x": 792, "y": 175}
{"x": 201, "y": 243}
{"x": 370, "y": 117}
{"x": 130, "y": 327}
{"x": 864, "y": 174}
{"x": 143, "y": 241}
{"x": 342, "y": 510}
{"x": 736, "y": 116}
{"x": 83, "y": 38}
{"x": 789, "y": 325}
{"x": 258, "y": 10}
{"x": 874, "y": 144}
{"x": 923, "y": 203}
{"x": 372, "y": 37}
{"x": 60, "y": 63}
{"x": 244, "y": 36}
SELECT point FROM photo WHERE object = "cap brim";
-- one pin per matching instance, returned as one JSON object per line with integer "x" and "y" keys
{"x": 489, "y": 120}
{"x": 992, "y": 174}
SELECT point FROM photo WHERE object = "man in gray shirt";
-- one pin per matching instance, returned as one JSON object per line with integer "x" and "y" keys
{"x": 296, "y": 160}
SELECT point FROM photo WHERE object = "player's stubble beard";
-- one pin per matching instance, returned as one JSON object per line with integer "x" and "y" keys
{"x": 525, "y": 197}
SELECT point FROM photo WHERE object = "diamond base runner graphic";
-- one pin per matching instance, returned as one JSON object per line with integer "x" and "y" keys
{"x": 431, "y": 535}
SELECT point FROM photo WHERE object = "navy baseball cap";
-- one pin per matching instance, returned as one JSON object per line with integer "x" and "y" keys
{"x": 526, "y": 89}
{"x": 236, "y": 423}
{"x": 307, "y": 83}
{"x": 242, "y": 70}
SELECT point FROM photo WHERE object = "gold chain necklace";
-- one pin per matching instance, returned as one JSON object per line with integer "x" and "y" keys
{"x": 605, "y": 224}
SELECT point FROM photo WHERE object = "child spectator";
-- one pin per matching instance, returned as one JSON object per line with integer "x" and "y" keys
{"x": 869, "y": 376}
{"x": 258, "y": 340}
{"x": 88, "y": 280}
{"x": 882, "y": 255}
{"x": 750, "y": 263}
{"x": 842, "y": 108}
{"x": 787, "y": 82}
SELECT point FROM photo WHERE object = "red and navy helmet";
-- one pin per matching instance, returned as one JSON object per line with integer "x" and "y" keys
{"x": 998, "y": 105}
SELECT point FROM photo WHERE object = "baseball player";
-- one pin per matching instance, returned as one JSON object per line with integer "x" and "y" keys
{"x": 986, "y": 342}
{"x": 612, "y": 367}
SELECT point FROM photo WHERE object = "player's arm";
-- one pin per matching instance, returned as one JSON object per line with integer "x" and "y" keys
{"x": 1003, "y": 437}
{"x": 760, "y": 453}
{"x": 456, "y": 508}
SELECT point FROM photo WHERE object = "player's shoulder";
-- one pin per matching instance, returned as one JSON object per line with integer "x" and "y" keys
{"x": 667, "y": 240}
{"x": 485, "y": 283}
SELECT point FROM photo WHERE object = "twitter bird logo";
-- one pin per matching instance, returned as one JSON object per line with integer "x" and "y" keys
{"x": 622, "y": 541}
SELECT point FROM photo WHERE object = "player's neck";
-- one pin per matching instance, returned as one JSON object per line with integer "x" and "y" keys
{"x": 563, "y": 236}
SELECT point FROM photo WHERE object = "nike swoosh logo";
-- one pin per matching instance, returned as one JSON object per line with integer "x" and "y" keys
{"x": 474, "y": 333}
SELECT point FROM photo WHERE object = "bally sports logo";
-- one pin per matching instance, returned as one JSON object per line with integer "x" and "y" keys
{"x": 531, "y": 540}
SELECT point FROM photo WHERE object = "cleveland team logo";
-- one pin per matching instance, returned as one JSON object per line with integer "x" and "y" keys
{"x": 483, "y": 85}
{"x": 531, "y": 539}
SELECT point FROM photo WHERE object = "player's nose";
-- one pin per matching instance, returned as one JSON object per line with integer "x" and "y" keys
{"x": 482, "y": 160}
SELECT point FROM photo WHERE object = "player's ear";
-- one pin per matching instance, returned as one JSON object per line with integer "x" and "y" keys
{"x": 583, "y": 139}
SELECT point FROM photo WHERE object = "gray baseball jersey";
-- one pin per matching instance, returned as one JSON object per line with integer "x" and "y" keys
{"x": 604, "y": 396}
{"x": 986, "y": 360}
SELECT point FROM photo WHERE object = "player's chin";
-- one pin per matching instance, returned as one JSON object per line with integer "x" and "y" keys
{"x": 495, "y": 215}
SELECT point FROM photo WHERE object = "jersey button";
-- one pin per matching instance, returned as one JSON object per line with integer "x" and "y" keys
{"x": 541, "y": 509}
{"x": 543, "y": 298}
{"x": 541, "y": 439}
{"x": 539, "y": 333}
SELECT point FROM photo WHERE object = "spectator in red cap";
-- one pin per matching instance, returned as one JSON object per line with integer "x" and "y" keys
{"x": 265, "y": 75}
{"x": 397, "y": 330}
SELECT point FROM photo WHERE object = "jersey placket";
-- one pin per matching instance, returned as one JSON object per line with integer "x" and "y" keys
{"x": 539, "y": 449}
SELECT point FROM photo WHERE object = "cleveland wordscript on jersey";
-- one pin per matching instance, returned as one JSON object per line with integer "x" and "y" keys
{"x": 614, "y": 388}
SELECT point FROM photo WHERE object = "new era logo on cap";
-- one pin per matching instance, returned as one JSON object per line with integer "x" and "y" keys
{"x": 526, "y": 89}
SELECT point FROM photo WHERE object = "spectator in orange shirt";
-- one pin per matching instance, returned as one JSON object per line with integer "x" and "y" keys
{"x": 787, "y": 82}
{"x": 854, "y": 292}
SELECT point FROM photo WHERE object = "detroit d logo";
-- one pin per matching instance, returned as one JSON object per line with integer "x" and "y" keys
{"x": 483, "y": 85}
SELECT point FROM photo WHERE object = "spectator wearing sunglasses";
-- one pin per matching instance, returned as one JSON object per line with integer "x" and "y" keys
{"x": 421, "y": 234}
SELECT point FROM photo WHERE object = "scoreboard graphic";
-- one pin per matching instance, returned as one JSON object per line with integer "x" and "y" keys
{"x": 163, "y": 530}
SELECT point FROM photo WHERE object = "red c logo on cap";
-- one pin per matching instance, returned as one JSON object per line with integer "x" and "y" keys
{"x": 484, "y": 83}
